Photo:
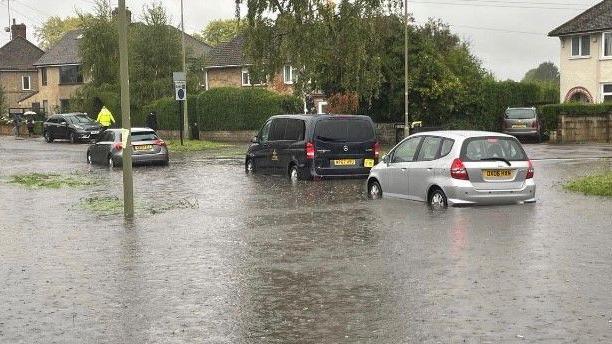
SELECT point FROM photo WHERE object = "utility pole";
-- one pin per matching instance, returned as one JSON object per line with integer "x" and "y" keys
{"x": 126, "y": 123}
{"x": 8, "y": 9}
{"x": 185, "y": 113}
{"x": 406, "y": 115}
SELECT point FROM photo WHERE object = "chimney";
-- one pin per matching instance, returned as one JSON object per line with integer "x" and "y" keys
{"x": 18, "y": 30}
{"x": 128, "y": 14}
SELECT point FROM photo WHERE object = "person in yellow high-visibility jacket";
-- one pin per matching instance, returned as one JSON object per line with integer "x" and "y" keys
{"x": 105, "y": 118}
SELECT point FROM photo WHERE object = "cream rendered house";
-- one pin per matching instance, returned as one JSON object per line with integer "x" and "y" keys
{"x": 586, "y": 55}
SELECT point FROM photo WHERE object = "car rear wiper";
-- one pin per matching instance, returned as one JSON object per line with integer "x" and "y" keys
{"x": 323, "y": 138}
{"x": 497, "y": 159}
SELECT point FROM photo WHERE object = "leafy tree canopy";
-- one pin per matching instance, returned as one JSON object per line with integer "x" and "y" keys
{"x": 220, "y": 31}
{"x": 545, "y": 72}
{"x": 54, "y": 28}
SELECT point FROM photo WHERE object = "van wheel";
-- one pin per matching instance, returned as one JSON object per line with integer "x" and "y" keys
{"x": 294, "y": 173}
{"x": 48, "y": 137}
{"x": 249, "y": 166}
{"x": 374, "y": 190}
{"x": 437, "y": 199}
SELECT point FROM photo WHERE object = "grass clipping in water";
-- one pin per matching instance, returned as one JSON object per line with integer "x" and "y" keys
{"x": 106, "y": 205}
{"x": 51, "y": 180}
{"x": 598, "y": 185}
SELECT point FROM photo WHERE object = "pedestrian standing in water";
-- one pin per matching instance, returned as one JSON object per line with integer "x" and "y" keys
{"x": 105, "y": 118}
{"x": 16, "y": 124}
{"x": 152, "y": 120}
{"x": 30, "y": 125}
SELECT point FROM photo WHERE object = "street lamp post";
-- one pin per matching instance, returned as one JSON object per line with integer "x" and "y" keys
{"x": 406, "y": 115}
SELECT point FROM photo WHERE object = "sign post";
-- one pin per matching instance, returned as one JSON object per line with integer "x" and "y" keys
{"x": 180, "y": 92}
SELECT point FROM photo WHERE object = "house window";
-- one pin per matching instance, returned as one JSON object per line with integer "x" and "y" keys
{"x": 581, "y": 46}
{"x": 607, "y": 44}
{"x": 25, "y": 83}
{"x": 71, "y": 75}
{"x": 246, "y": 77}
{"x": 606, "y": 93}
{"x": 43, "y": 76}
{"x": 289, "y": 75}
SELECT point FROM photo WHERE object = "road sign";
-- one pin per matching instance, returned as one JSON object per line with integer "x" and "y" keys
{"x": 180, "y": 90}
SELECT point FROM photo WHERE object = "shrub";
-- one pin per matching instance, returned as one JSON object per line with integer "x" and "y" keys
{"x": 343, "y": 103}
{"x": 550, "y": 113}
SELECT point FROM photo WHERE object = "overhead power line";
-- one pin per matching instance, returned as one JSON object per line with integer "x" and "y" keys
{"x": 498, "y": 5}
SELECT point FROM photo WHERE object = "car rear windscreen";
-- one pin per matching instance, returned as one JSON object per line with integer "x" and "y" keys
{"x": 344, "y": 130}
{"x": 520, "y": 113}
{"x": 492, "y": 148}
{"x": 144, "y": 136}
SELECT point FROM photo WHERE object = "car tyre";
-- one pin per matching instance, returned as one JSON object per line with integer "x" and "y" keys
{"x": 89, "y": 160}
{"x": 111, "y": 162}
{"x": 437, "y": 199}
{"x": 249, "y": 166}
{"x": 48, "y": 137}
{"x": 294, "y": 173}
{"x": 374, "y": 190}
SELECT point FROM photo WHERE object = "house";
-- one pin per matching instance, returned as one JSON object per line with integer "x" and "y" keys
{"x": 586, "y": 55}
{"x": 18, "y": 76}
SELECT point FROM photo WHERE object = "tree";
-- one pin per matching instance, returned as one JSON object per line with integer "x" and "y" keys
{"x": 220, "y": 31}
{"x": 54, "y": 28}
{"x": 545, "y": 72}
{"x": 99, "y": 46}
{"x": 2, "y": 101}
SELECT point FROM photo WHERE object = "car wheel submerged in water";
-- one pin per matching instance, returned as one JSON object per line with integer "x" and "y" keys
{"x": 437, "y": 199}
{"x": 374, "y": 190}
{"x": 294, "y": 173}
{"x": 48, "y": 137}
{"x": 249, "y": 166}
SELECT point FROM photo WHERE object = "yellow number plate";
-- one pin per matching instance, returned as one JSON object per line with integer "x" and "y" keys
{"x": 143, "y": 147}
{"x": 368, "y": 163}
{"x": 497, "y": 174}
{"x": 519, "y": 126}
{"x": 344, "y": 162}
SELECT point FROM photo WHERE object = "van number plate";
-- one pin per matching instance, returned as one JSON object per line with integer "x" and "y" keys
{"x": 497, "y": 174}
{"x": 344, "y": 162}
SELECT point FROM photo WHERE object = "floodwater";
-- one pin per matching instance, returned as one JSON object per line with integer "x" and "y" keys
{"x": 259, "y": 260}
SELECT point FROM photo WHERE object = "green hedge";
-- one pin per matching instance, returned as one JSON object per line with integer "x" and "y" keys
{"x": 550, "y": 113}
{"x": 226, "y": 108}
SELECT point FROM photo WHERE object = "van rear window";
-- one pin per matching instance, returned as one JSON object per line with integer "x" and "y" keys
{"x": 492, "y": 148}
{"x": 349, "y": 130}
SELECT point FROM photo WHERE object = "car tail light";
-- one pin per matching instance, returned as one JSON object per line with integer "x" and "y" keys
{"x": 310, "y": 150}
{"x": 159, "y": 142}
{"x": 376, "y": 150}
{"x": 535, "y": 124}
{"x": 458, "y": 170}
{"x": 530, "y": 170}
{"x": 118, "y": 146}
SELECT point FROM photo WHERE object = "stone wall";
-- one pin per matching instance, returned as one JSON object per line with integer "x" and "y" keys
{"x": 222, "y": 136}
{"x": 575, "y": 129}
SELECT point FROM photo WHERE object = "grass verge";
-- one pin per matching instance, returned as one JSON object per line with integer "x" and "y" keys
{"x": 597, "y": 185}
{"x": 51, "y": 180}
{"x": 195, "y": 145}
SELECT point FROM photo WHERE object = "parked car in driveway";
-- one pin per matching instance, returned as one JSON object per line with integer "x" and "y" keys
{"x": 522, "y": 123}
{"x": 311, "y": 146}
{"x": 457, "y": 168}
{"x": 147, "y": 148}
{"x": 71, "y": 126}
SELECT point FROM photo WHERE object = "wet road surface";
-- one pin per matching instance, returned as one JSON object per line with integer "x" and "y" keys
{"x": 259, "y": 260}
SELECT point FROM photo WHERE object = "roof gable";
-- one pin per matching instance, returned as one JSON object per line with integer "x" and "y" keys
{"x": 19, "y": 54}
{"x": 228, "y": 54}
{"x": 596, "y": 18}
{"x": 64, "y": 52}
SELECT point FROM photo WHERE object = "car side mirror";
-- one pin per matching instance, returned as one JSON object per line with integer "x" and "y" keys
{"x": 64, "y": 123}
{"x": 255, "y": 139}
{"x": 385, "y": 159}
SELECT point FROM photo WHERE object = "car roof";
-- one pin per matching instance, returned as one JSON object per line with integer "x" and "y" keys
{"x": 134, "y": 130}
{"x": 461, "y": 134}
{"x": 320, "y": 116}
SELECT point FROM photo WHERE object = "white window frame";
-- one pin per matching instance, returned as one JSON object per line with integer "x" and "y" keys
{"x": 292, "y": 76}
{"x": 245, "y": 71}
{"x": 603, "y": 45}
{"x": 604, "y": 94}
{"x": 580, "y": 55}
{"x": 23, "y": 77}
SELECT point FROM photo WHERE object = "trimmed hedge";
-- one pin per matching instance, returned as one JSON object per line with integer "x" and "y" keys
{"x": 550, "y": 113}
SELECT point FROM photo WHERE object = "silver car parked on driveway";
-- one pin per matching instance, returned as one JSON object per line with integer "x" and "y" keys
{"x": 457, "y": 168}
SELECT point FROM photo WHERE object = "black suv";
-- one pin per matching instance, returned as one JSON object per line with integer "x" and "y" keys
{"x": 309, "y": 146}
{"x": 72, "y": 126}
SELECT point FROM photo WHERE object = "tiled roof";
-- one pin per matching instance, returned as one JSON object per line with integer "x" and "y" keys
{"x": 596, "y": 18}
{"x": 64, "y": 52}
{"x": 228, "y": 54}
{"x": 19, "y": 54}
{"x": 195, "y": 48}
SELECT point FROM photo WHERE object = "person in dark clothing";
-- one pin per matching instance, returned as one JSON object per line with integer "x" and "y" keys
{"x": 152, "y": 120}
{"x": 16, "y": 125}
{"x": 30, "y": 125}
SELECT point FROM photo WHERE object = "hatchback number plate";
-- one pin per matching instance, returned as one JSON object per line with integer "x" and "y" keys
{"x": 497, "y": 174}
{"x": 519, "y": 126}
{"x": 344, "y": 162}
{"x": 143, "y": 147}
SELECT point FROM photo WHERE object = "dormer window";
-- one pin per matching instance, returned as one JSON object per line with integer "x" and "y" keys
{"x": 581, "y": 46}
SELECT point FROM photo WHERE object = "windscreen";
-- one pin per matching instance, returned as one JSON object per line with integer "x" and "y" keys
{"x": 520, "y": 113}
{"x": 144, "y": 136}
{"x": 492, "y": 148}
{"x": 345, "y": 130}
{"x": 81, "y": 119}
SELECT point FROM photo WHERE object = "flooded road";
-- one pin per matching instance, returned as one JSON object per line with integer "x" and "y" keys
{"x": 259, "y": 260}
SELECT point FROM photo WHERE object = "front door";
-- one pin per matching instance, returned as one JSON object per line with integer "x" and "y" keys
{"x": 61, "y": 129}
{"x": 395, "y": 178}
{"x": 261, "y": 154}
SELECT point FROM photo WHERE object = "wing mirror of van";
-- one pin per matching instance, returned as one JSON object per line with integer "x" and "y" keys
{"x": 255, "y": 139}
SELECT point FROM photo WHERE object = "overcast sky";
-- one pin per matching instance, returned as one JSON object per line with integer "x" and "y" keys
{"x": 509, "y": 36}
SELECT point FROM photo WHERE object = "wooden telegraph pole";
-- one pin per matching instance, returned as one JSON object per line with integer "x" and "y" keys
{"x": 187, "y": 130}
{"x": 406, "y": 115}
{"x": 126, "y": 123}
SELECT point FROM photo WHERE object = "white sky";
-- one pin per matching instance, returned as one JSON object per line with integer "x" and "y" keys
{"x": 509, "y": 36}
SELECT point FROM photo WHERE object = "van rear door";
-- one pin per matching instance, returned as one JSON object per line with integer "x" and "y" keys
{"x": 343, "y": 144}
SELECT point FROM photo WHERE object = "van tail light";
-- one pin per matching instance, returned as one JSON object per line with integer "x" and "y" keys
{"x": 530, "y": 170}
{"x": 376, "y": 150}
{"x": 310, "y": 151}
{"x": 159, "y": 142}
{"x": 118, "y": 146}
{"x": 458, "y": 170}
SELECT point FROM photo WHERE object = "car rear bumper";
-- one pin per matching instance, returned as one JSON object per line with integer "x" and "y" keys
{"x": 142, "y": 159}
{"x": 467, "y": 194}
{"x": 522, "y": 132}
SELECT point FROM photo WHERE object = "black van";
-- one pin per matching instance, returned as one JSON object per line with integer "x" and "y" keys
{"x": 309, "y": 146}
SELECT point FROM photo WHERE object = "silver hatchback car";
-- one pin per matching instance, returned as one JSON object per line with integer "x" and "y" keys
{"x": 456, "y": 168}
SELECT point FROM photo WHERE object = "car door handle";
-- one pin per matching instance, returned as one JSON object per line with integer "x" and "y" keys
{"x": 429, "y": 169}
{"x": 404, "y": 169}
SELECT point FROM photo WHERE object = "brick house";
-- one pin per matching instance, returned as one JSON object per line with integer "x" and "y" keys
{"x": 586, "y": 55}
{"x": 18, "y": 75}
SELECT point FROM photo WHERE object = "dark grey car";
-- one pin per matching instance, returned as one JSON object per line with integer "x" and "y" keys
{"x": 71, "y": 126}
{"x": 147, "y": 148}
{"x": 522, "y": 123}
